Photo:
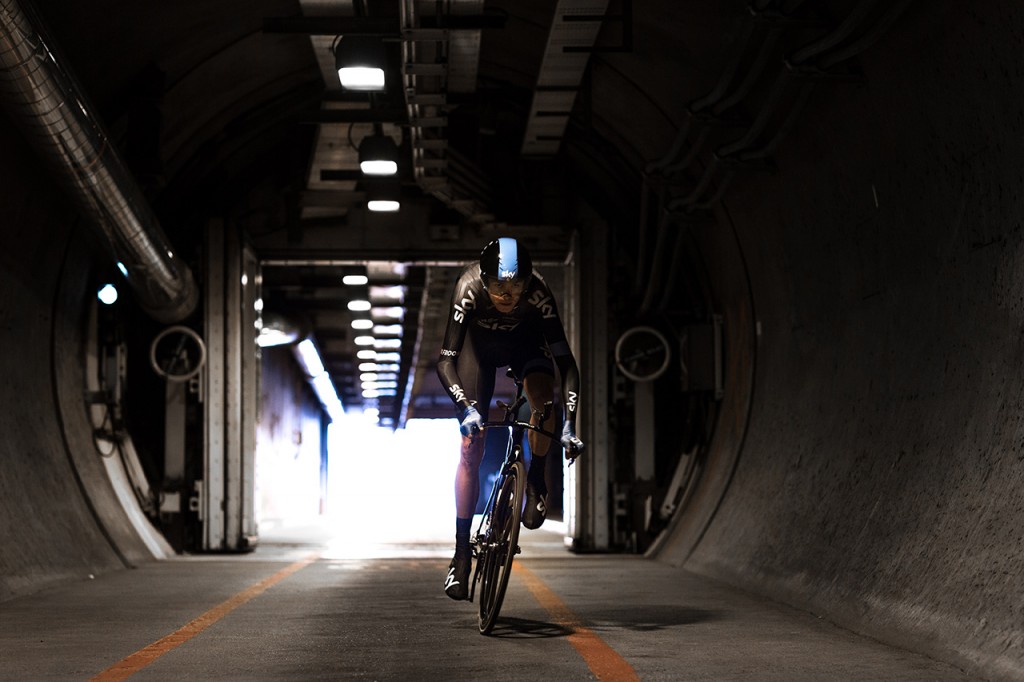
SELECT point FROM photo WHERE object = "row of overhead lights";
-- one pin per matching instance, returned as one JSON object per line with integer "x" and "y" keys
{"x": 361, "y": 61}
{"x": 379, "y": 348}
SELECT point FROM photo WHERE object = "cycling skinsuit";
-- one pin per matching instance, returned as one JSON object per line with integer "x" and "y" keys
{"x": 479, "y": 339}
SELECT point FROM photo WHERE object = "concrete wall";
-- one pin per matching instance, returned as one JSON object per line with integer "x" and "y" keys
{"x": 880, "y": 474}
{"x": 49, "y": 529}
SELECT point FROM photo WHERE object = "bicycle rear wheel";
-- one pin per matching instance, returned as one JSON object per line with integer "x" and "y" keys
{"x": 502, "y": 545}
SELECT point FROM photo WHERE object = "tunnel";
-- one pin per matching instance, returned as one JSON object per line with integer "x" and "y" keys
{"x": 784, "y": 234}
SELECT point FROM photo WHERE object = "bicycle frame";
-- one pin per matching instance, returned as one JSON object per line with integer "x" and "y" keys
{"x": 495, "y": 542}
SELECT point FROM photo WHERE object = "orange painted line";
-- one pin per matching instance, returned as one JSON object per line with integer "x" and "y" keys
{"x": 602, "y": 660}
{"x": 133, "y": 663}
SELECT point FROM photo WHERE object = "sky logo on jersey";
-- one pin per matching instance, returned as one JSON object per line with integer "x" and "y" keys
{"x": 543, "y": 303}
{"x": 508, "y": 258}
{"x": 570, "y": 404}
{"x": 467, "y": 303}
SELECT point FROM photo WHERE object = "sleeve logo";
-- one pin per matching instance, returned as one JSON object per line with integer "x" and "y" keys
{"x": 542, "y": 303}
{"x": 457, "y": 392}
{"x": 467, "y": 304}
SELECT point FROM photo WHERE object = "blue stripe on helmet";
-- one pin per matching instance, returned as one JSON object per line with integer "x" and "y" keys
{"x": 508, "y": 258}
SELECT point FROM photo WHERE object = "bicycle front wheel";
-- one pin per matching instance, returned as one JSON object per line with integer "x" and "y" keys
{"x": 502, "y": 545}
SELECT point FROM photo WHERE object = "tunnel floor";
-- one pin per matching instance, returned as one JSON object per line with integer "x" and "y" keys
{"x": 302, "y": 607}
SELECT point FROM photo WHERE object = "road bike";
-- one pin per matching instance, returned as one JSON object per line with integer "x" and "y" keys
{"x": 496, "y": 540}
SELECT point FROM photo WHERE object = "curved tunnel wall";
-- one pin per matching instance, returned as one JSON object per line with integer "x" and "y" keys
{"x": 880, "y": 475}
{"x": 53, "y": 487}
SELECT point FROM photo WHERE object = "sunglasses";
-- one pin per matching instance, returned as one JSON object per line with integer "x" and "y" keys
{"x": 505, "y": 287}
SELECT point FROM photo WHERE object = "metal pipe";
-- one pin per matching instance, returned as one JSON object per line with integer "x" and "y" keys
{"x": 47, "y": 103}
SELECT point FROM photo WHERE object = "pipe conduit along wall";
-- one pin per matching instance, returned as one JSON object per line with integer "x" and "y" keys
{"x": 41, "y": 94}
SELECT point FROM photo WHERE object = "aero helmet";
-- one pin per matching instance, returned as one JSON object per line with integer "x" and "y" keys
{"x": 505, "y": 259}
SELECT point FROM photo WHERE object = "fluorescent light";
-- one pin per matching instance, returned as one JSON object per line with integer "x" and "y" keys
{"x": 387, "y": 367}
{"x": 310, "y": 358}
{"x": 364, "y": 340}
{"x": 387, "y": 357}
{"x": 355, "y": 280}
{"x": 358, "y": 306}
{"x": 378, "y": 155}
{"x": 387, "y": 344}
{"x": 379, "y": 384}
{"x": 388, "y": 330}
{"x": 362, "y": 324}
{"x": 388, "y": 313}
{"x": 366, "y": 354}
{"x": 379, "y": 167}
{"x": 394, "y": 293}
{"x": 122, "y": 268}
{"x": 270, "y": 336}
{"x": 362, "y": 78}
{"x": 383, "y": 205}
{"x": 324, "y": 389}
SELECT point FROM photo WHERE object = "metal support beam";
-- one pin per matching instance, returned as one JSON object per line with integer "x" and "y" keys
{"x": 587, "y": 500}
{"x": 353, "y": 116}
{"x": 211, "y": 508}
{"x": 380, "y": 26}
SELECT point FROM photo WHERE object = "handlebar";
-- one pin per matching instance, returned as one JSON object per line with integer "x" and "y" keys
{"x": 510, "y": 410}
{"x": 521, "y": 424}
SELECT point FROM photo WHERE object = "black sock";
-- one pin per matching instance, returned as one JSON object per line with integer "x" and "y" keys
{"x": 536, "y": 475}
{"x": 462, "y": 530}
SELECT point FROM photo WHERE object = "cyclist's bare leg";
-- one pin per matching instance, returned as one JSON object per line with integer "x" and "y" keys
{"x": 540, "y": 390}
{"x": 467, "y": 479}
{"x": 467, "y": 489}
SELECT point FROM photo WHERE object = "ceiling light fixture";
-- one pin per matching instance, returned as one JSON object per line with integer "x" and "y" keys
{"x": 310, "y": 358}
{"x": 360, "y": 61}
{"x": 378, "y": 155}
{"x": 388, "y": 313}
{"x": 383, "y": 198}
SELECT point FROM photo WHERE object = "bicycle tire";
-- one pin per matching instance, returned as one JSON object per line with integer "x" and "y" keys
{"x": 503, "y": 544}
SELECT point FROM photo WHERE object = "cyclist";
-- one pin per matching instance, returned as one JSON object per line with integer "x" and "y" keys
{"x": 503, "y": 314}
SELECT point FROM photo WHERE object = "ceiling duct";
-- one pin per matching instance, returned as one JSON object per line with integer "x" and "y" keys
{"x": 45, "y": 101}
{"x": 439, "y": 59}
{"x": 573, "y": 34}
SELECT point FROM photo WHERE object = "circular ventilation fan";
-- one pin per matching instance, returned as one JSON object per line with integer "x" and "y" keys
{"x": 177, "y": 353}
{"x": 642, "y": 353}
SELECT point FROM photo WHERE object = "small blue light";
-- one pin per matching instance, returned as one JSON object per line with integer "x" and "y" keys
{"x": 108, "y": 294}
{"x": 122, "y": 268}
